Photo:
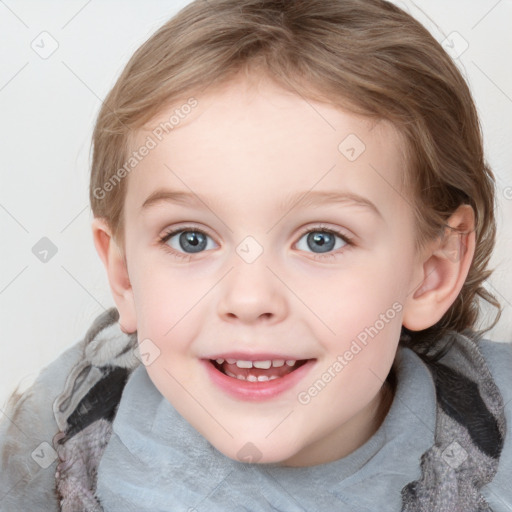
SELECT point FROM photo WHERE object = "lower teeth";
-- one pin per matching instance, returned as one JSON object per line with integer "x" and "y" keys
{"x": 252, "y": 378}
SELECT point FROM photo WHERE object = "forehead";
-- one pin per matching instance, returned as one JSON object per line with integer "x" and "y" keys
{"x": 249, "y": 139}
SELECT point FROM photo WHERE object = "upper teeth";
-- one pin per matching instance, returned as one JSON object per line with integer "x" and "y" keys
{"x": 258, "y": 364}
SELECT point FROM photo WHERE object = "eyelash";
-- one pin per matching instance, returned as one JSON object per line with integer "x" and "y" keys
{"x": 320, "y": 228}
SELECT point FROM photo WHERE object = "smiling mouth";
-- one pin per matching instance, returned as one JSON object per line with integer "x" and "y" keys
{"x": 257, "y": 371}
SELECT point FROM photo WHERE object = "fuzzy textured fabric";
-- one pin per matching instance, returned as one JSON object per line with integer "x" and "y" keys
{"x": 85, "y": 410}
{"x": 469, "y": 435}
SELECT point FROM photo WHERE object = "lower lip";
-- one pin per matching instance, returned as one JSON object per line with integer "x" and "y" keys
{"x": 265, "y": 390}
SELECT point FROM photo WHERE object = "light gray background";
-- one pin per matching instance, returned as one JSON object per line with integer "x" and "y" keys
{"x": 48, "y": 108}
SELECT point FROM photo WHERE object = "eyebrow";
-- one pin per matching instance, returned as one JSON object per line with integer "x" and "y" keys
{"x": 303, "y": 199}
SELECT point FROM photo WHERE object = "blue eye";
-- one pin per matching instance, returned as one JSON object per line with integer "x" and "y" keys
{"x": 323, "y": 239}
{"x": 192, "y": 240}
{"x": 189, "y": 239}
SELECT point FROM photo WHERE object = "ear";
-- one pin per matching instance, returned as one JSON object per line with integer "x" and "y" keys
{"x": 442, "y": 271}
{"x": 117, "y": 272}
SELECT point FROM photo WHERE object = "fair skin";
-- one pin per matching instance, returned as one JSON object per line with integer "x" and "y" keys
{"x": 244, "y": 151}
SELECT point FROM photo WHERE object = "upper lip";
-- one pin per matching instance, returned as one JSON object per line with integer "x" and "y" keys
{"x": 240, "y": 356}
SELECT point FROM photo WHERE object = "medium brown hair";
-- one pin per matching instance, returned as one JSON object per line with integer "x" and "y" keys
{"x": 367, "y": 56}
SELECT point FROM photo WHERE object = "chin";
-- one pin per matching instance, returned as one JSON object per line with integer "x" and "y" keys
{"x": 257, "y": 452}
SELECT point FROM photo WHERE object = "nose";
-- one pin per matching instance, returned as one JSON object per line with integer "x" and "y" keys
{"x": 252, "y": 293}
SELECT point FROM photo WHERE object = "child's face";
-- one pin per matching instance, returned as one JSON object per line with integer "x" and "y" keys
{"x": 265, "y": 282}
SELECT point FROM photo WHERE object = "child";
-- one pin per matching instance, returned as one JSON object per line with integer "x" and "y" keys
{"x": 254, "y": 370}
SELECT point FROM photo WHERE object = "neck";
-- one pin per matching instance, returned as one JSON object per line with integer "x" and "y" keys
{"x": 352, "y": 435}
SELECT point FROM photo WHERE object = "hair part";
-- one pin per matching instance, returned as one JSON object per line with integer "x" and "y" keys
{"x": 366, "y": 56}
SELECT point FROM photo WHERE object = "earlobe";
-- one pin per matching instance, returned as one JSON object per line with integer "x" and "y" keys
{"x": 117, "y": 273}
{"x": 443, "y": 272}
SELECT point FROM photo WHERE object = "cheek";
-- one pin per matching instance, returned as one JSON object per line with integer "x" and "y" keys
{"x": 167, "y": 316}
{"x": 165, "y": 291}
{"x": 355, "y": 297}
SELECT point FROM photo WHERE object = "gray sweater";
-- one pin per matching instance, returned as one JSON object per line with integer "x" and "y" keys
{"x": 150, "y": 459}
